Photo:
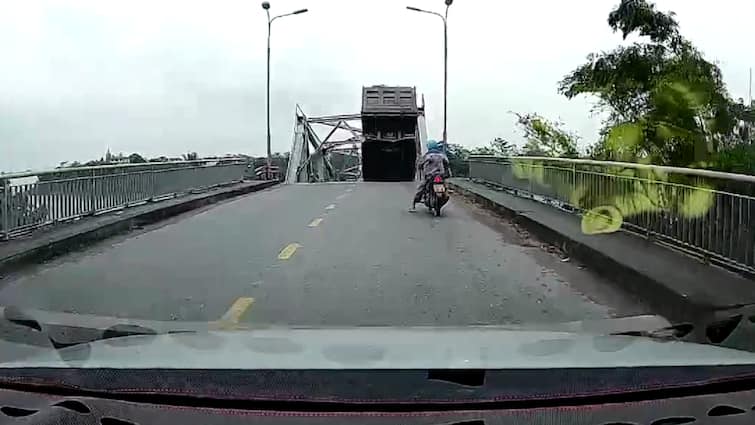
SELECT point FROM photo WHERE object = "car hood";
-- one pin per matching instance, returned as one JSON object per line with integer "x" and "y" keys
{"x": 478, "y": 347}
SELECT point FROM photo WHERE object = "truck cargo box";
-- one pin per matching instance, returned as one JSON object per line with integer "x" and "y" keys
{"x": 387, "y": 100}
{"x": 389, "y": 125}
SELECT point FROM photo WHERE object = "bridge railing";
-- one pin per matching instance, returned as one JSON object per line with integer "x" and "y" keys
{"x": 704, "y": 213}
{"x": 34, "y": 199}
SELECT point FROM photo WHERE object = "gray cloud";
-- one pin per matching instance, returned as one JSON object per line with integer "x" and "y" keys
{"x": 171, "y": 76}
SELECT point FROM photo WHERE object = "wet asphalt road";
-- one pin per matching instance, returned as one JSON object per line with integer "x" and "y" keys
{"x": 343, "y": 254}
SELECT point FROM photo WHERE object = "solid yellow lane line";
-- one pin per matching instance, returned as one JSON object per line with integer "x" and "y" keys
{"x": 316, "y": 222}
{"x": 237, "y": 309}
{"x": 288, "y": 251}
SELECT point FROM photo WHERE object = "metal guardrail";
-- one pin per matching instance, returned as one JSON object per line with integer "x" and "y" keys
{"x": 704, "y": 213}
{"x": 35, "y": 199}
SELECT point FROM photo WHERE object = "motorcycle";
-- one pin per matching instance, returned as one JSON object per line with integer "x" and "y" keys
{"x": 436, "y": 195}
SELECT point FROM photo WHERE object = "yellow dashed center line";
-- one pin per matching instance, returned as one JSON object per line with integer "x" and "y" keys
{"x": 231, "y": 318}
{"x": 288, "y": 251}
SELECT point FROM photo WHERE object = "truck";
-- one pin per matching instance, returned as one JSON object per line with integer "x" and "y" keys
{"x": 391, "y": 136}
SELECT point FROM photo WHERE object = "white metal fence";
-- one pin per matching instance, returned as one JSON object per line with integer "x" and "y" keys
{"x": 31, "y": 200}
{"x": 705, "y": 213}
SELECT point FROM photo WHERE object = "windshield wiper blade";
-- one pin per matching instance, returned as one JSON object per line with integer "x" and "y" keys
{"x": 725, "y": 330}
{"x": 17, "y": 316}
{"x": 673, "y": 332}
{"x": 65, "y": 336}
{"x": 87, "y": 335}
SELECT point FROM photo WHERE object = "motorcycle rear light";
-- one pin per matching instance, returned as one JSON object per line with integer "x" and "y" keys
{"x": 438, "y": 180}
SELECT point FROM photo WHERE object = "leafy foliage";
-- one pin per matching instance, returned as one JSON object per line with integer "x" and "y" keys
{"x": 666, "y": 103}
{"x": 738, "y": 159}
{"x": 498, "y": 146}
{"x": 135, "y": 158}
{"x": 458, "y": 155}
{"x": 457, "y": 160}
{"x": 502, "y": 147}
{"x": 642, "y": 17}
{"x": 674, "y": 131}
{"x": 546, "y": 138}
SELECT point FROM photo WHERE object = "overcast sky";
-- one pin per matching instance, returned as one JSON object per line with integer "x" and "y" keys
{"x": 166, "y": 77}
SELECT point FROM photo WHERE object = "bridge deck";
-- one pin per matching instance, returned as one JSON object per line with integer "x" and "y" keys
{"x": 338, "y": 254}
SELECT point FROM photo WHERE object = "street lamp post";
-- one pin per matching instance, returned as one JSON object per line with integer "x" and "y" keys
{"x": 266, "y": 6}
{"x": 445, "y": 64}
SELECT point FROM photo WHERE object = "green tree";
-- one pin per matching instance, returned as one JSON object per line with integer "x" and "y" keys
{"x": 546, "y": 138}
{"x": 95, "y": 162}
{"x": 498, "y": 147}
{"x": 502, "y": 147}
{"x": 666, "y": 104}
{"x": 458, "y": 157}
{"x": 483, "y": 150}
{"x": 135, "y": 158}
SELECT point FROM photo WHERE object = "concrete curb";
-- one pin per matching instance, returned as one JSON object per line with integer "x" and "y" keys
{"x": 51, "y": 245}
{"x": 658, "y": 295}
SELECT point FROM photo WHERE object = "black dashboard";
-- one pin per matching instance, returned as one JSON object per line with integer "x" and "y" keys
{"x": 656, "y": 396}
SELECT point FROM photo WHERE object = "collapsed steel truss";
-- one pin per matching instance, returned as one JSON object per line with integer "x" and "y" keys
{"x": 332, "y": 158}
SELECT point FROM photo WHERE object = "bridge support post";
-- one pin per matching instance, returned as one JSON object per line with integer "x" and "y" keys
{"x": 573, "y": 176}
{"x": 92, "y": 196}
{"x": 155, "y": 188}
{"x": 5, "y": 210}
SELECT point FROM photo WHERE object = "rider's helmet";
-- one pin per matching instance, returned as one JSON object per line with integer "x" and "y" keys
{"x": 433, "y": 146}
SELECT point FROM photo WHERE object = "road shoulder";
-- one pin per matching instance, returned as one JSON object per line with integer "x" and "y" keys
{"x": 63, "y": 238}
{"x": 675, "y": 285}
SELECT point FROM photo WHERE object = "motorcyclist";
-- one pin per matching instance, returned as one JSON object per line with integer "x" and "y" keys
{"x": 433, "y": 163}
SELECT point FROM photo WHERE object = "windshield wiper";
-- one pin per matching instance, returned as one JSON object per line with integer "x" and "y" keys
{"x": 64, "y": 336}
{"x": 727, "y": 331}
{"x": 673, "y": 332}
